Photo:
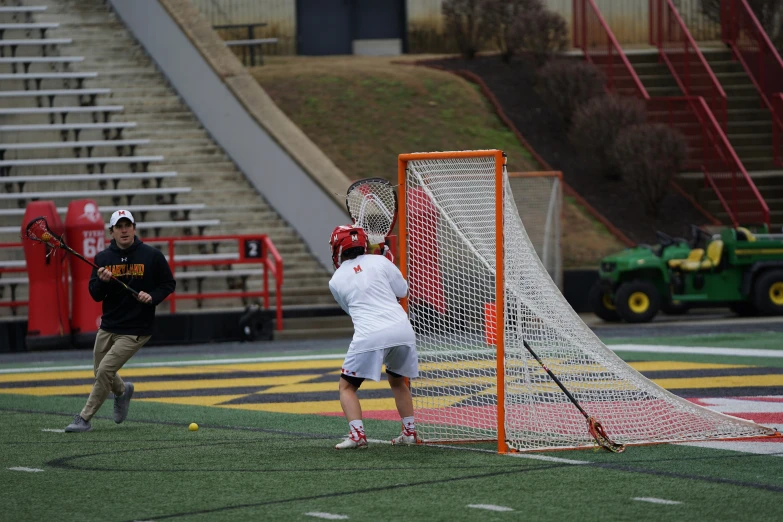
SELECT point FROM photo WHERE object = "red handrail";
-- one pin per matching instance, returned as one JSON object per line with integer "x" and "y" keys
{"x": 591, "y": 33}
{"x": 710, "y": 151}
{"x": 682, "y": 55}
{"x": 265, "y": 249}
{"x": 777, "y": 129}
{"x": 751, "y": 46}
{"x": 266, "y": 254}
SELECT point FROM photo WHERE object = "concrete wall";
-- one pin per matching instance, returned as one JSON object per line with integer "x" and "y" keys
{"x": 290, "y": 189}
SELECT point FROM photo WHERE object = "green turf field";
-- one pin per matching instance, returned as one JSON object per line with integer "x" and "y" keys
{"x": 259, "y": 465}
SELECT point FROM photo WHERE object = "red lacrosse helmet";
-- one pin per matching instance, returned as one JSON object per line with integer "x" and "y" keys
{"x": 345, "y": 237}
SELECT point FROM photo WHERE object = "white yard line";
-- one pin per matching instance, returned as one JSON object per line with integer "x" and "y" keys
{"x": 774, "y": 449}
{"x": 697, "y": 350}
{"x": 490, "y": 507}
{"x": 53, "y": 430}
{"x": 328, "y": 516}
{"x": 653, "y": 500}
{"x": 546, "y": 458}
{"x": 29, "y": 470}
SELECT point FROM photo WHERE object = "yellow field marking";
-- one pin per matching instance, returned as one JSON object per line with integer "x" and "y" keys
{"x": 729, "y": 381}
{"x": 321, "y": 387}
{"x": 662, "y": 366}
{"x": 328, "y": 364}
{"x": 312, "y": 407}
{"x": 181, "y": 370}
{"x": 200, "y": 384}
{"x": 199, "y": 400}
{"x": 125, "y": 372}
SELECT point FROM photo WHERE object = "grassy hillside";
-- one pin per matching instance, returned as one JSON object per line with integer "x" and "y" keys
{"x": 363, "y": 112}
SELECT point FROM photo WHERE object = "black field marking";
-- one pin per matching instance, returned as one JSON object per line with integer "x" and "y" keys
{"x": 751, "y": 391}
{"x": 716, "y": 372}
{"x": 199, "y": 392}
{"x": 354, "y": 492}
{"x": 685, "y": 476}
{"x": 63, "y": 463}
{"x": 66, "y": 463}
{"x": 263, "y": 398}
{"x": 173, "y": 378}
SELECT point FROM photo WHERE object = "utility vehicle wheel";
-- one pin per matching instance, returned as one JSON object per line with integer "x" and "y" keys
{"x": 768, "y": 293}
{"x": 675, "y": 307}
{"x": 637, "y": 301}
{"x": 601, "y": 303}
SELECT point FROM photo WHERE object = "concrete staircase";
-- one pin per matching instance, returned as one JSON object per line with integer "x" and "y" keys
{"x": 175, "y": 133}
{"x": 749, "y": 127}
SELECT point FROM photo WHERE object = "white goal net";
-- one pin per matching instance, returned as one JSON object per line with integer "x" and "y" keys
{"x": 539, "y": 199}
{"x": 465, "y": 251}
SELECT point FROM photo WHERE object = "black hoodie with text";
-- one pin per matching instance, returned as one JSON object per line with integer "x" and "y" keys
{"x": 142, "y": 268}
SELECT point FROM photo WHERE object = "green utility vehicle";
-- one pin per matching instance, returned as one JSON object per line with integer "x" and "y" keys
{"x": 731, "y": 267}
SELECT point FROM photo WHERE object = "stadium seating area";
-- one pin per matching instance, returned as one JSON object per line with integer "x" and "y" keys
{"x": 84, "y": 113}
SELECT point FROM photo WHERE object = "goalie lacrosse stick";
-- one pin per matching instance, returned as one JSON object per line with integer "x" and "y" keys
{"x": 593, "y": 426}
{"x": 372, "y": 204}
{"x": 38, "y": 230}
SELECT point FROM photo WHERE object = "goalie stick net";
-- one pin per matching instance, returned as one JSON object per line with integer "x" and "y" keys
{"x": 477, "y": 292}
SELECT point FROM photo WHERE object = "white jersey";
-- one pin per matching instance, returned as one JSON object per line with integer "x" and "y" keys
{"x": 367, "y": 288}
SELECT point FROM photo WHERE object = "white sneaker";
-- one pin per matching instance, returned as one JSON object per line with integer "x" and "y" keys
{"x": 350, "y": 443}
{"x": 405, "y": 438}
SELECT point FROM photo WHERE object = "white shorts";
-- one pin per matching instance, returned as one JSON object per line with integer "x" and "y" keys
{"x": 402, "y": 360}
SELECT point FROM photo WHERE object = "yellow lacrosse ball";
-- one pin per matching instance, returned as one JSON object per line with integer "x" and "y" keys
{"x": 46, "y": 236}
{"x": 193, "y": 426}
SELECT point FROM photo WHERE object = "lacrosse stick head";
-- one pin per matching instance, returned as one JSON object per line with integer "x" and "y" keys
{"x": 372, "y": 204}
{"x": 345, "y": 237}
{"x": 601, "y": 438}
{"x": 38, "y": 230}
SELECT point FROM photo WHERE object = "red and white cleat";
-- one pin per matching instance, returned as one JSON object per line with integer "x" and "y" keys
{"x": 353, "y": 443}
{"x": 405, "y": 438}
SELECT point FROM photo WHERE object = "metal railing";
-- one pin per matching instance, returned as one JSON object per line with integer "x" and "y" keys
{"x": 251, "y": 250}
{"x": 593, "y": 36}
{"x": 681, "y": 53}
{"x": 777, "y": 128}
{"x": 751, "y": 46}
{"x": 709, "y": 150}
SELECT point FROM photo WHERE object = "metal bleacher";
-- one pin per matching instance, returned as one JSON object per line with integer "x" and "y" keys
{"x": 57, "y": 142}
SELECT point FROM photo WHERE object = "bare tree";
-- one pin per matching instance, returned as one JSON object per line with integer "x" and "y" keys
{"x": 596, "y": 126}
{"x": 649, "y": 156}
{"x": 464, "y": 20}
{"x": 566, "y": 85}
{"x": 500, "y": 17}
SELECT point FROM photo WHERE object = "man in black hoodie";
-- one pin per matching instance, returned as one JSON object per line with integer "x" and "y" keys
{"x": 126, "y": 323}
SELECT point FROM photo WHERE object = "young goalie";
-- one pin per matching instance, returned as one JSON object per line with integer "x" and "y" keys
{"x": 368, "y": 288}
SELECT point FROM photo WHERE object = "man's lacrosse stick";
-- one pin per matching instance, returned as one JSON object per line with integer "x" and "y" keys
{"x": 38, "y": 230}
{"x": 372, "y": 204}
{"x": 593, "y": 426}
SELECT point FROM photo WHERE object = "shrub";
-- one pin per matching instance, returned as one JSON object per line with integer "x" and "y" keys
{"x": 649, "y": 156}
{"x": 541, "y": 33}
{"x": 566, "y": 85}
{"x": 500, "y": 16}
{"x": 597, "y": 124}
{"x": 464, "y": 23}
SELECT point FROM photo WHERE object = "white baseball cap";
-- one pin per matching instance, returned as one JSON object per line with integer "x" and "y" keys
{"x": 121, "y": 214}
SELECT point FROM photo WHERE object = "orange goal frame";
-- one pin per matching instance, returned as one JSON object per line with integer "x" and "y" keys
{"x": 500, "y": 162}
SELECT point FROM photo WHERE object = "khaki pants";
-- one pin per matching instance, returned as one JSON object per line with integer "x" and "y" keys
{"x": 111, "y": 352}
